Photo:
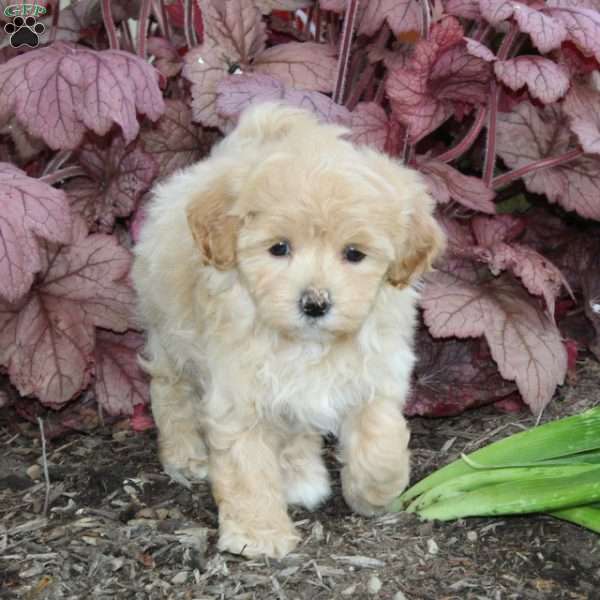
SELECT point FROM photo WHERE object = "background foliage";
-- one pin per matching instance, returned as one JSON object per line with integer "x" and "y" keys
{"x": 496, "y": 102}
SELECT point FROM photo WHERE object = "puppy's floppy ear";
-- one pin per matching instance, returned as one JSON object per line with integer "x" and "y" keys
{"x": 213, "y": 229}
{"x": 423, "y": 242}
{"x": 417, "y": 238}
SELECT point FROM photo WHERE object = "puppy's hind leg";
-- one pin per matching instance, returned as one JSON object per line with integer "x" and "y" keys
{"x": 183, "y": 452}
{"x": 305, "y": 478}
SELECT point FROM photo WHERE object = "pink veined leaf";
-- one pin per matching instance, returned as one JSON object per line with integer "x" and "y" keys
{"x": 61, "y": 91}
{"x": 50, "y": 349}
{"x": 501, "y": 228}
{"x": 118, "y": 174}
{"x": 236, "y": 93}
{"x": 168, "y": 61}
{"x": 370, "y": 125}
{"x": 582, "y": 106}
{"x": 447, "y": 183}
{"x": 30, "y": 209}
{"x": 235, "y": 26}
{"x": 119, "y": 382}
{"x": 452, "y": 376}
{"x": 544, "y": 79}
{"x": 174, "y": 141}
{"x": 538, "y": 274}
{"x": 402, "y": 16}
{"x": 496, "y": 11}
{"x": 546, "y": 33}
{"x": 440, "y": 76}
{"x": 303, "y": 65}
{"x": 235, "y": 45}
{"x": 589, "y": 4}
{"x": 467, "y": 9}
{"x": 582, "y": 25}
{"x": 338, "y": 6}
{"x": 475, "y": 48}
{"x": 524, "y": 342}
{"x": 205, "y": 68}
{"x": 527, "y": 135}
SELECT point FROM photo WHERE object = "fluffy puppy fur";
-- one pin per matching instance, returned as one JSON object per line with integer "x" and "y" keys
{"x": 245, "y": 379}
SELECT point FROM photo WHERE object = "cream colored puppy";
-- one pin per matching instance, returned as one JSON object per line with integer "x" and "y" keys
{"x": 274, "y": 283}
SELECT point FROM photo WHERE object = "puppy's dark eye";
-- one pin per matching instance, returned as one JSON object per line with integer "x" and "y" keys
{"x": 353, "y": 255}
{"x": 280, "y": 248}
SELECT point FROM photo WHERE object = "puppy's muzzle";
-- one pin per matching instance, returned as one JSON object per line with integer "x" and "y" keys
{"x": 315, "y": 303}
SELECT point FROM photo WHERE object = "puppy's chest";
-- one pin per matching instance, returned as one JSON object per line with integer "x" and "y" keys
{"x": 306, "y": 388}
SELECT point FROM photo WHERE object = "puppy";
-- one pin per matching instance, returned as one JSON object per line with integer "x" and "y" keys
{"x": 274, "y": 282}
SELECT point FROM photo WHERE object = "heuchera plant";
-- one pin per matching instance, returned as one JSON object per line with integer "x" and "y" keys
{"x": 496, "y": 102}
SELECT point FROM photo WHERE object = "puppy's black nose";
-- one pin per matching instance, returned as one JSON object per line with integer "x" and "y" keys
{"x": 315, "y": 303}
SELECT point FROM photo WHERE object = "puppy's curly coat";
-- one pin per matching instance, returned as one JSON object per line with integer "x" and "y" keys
{"x": 274, "y": 284}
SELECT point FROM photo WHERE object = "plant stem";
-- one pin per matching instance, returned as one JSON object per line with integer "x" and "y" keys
{"x": 126, "y": 39}
{"x": 145, "y": 7}
{"x": 345, "y": 49}
{"x": 55, "y": 17}
{"x": 109, "y": 25}
{"x": 317, "y": 19}
{"x": 469, "y": 139}
{"x": 537, "y": 165}
{"x": 55, "y": 163}
{"x": 426, "y": 19}
{"x": 495, "y": 90}
{"x": 188, "y": 24}
{"x": 61, "y": 174}
{"x": 158, "y": 7}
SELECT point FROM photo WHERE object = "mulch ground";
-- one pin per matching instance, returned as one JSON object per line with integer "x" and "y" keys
{"x": 116, "y": 527}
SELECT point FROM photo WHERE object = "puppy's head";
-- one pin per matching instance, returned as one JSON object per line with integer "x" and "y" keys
{"x": 313, "y": 225}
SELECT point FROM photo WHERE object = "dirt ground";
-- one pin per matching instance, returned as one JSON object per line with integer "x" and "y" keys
{"x": 117, "y": 528}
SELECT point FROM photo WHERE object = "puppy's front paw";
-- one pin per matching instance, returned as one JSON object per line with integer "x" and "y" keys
{"x": 274, "y": 543}
{"x": 369, "y": 496}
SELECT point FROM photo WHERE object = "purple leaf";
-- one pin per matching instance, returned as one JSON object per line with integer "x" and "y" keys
{"x": 524, "y": 342}
{"x": 475, "y": 48}
{"x": 582, "y": 25}
{"x": 496, "y": 11}
{"x": 30, "y": 209}
{"x": 370, "y": 125}
{"x": 446, "y": 183}
{"x": 452, "y": 376}
{"x": 468, "y": 9}
{"x": 582, "y": 106}
{"x": 236, "y": 93}
{"x": 50, "y": 352}
{"x": 440, "y": 74}
{"x": 236, "y": 27}
{"x": 119, "y": 382}
{"x": 527, "y": 135}
{"x": 60, "y": 91}
{"x": 168, "y": 61}
{"x": 118, "y": 176}
{"x": 205, "y": 67}
{"x": 174, "y": 141}
{"x": 401, "y": 15}
{"x": 302, "y": 65}
{"x": 544, "y": 79}
{"x": 546, "y": 33}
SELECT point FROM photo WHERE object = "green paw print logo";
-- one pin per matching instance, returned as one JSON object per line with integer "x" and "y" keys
{"x": 24, "y": 31}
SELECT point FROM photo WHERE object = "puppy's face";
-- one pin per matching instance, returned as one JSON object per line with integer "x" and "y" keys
{"x": 313, "y": 249}
{"x": 313, "y": 226}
